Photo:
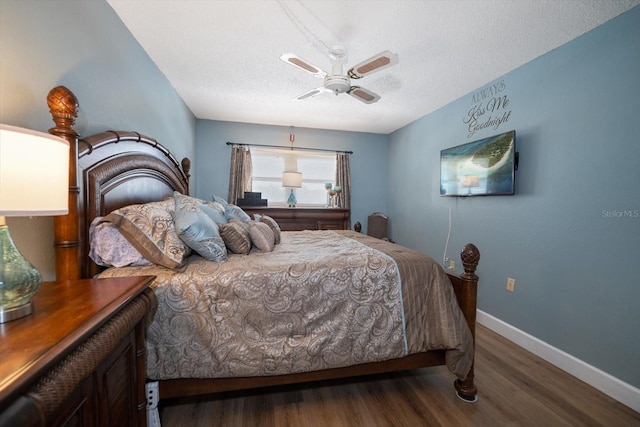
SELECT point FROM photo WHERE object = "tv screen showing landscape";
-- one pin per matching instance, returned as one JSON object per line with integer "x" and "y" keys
{"x": 481, "y": 168}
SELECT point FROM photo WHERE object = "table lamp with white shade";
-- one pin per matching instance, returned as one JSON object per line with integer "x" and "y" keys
{"x": 292, "y": 180}
{"x": 34, "y": 181}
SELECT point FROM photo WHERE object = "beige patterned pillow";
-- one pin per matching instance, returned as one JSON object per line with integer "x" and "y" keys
{"x": 273, "y": 225}
{"x": 108, "y": 247}
{"x": 150, "y": 229}
{"x": 261, "y": 236}
{"x": 236, "y": 236}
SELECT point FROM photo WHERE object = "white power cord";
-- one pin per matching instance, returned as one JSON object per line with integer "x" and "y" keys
{"x": 445, "y": 258}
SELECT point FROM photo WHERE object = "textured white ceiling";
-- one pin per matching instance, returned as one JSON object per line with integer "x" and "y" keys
{"x": 222, "y": 56}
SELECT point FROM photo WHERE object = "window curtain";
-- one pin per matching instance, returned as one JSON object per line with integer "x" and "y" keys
{"x": 343, "y": 179}
{"x": 239, "y": 173}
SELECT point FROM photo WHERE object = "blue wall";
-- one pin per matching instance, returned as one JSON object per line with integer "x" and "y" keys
{"x": 571, "y": 235}
{"x": 369, "y": 165}
{"x": 84, "y": 46}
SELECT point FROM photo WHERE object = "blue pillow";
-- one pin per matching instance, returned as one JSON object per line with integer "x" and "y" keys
{"x": 236, "y": 212}
{"x": 215, "y": 211}
{"x": 197, "y": 229}
{"x": 220, "y": 200}
{"x": 232, "y": 211}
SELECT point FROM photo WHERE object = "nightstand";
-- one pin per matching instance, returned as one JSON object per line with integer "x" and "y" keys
{"x": 79, "y": 359}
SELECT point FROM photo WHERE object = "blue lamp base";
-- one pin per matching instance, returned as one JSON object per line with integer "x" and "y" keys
{"x": 292, "y": 201}
{"x": 19, "y": 280}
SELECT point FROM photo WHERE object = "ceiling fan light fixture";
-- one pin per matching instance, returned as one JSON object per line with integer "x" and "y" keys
{"x": 337, "y": 84}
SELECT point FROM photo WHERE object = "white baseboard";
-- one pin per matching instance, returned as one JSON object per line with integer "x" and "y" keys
{"x": 606, "y": 383}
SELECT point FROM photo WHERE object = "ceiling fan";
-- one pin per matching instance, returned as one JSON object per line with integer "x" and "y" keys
{"x": 337, "y": 82}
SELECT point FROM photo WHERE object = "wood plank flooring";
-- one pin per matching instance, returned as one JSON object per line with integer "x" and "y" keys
{"x": 516, "y": 388}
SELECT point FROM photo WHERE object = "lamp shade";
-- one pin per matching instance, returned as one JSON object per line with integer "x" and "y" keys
{"x": 34, "y": 173}
{"x": 291, "y": 179}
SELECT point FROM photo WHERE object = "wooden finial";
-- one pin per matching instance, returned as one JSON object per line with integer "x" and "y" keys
{"x": 63, "y": 106}
{"x": 470, "y": 256}
{"x": 186, "y": 167}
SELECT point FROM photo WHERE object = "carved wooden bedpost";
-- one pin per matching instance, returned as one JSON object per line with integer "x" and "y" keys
{"x": 470, "y": 256}
{"x": 63, "y": 106}
{"x": 186, "y": 168}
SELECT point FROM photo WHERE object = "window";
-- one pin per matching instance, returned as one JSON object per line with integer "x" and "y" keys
{"x": 316, "y": 168}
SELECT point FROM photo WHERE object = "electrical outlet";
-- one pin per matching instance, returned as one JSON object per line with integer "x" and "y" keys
{"x": 452, "y": 264}
{"x": 511, "y": 284}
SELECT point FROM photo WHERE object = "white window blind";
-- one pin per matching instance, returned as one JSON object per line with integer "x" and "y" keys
{"x": 316, "y": 168}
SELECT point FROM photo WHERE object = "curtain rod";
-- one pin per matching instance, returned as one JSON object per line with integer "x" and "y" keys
{"x": 290, "y": 148}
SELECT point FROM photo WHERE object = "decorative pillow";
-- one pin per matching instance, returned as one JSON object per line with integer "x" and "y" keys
{"x": 197, "y": 230}
{"x": 236, "y": 212}
{"x": 220, "y": 200}
{"x": 261, "y": 236}
{"x": 108, "y": 247}
{"x": 232, "y": 211}
{"x": 236, "y": 237}
{"x": 215, "y": 211}
{"x": 150, "y": 229}
{"x": 273, "y": 225}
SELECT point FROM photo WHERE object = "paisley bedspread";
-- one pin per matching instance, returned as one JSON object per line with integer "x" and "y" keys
{"x": 321, "y": 299}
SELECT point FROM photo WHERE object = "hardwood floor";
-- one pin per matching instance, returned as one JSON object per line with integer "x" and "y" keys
{"x": 516, "y": 388}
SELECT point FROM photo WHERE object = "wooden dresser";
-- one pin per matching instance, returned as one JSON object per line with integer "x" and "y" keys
{"x": 79, "y": 359}
{"x": 296, "y": 219}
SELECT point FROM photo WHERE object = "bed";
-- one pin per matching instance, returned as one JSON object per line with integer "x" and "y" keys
{"x": 245, "y": 299}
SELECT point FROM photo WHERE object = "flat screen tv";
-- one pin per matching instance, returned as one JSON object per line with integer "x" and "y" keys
{"x": 485, "y": 167}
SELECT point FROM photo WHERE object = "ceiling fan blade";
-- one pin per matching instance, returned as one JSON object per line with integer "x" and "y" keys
{"x": 311, "y": 93}
{"x": 375, "y": 63}
{"x": 363, "y": 94}
{"x": 292, "y": 59}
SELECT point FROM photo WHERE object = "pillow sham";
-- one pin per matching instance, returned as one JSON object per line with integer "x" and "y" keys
{"x": 197, "y": 229}
{"x": 273, "y": 225}
{"x": 149, "y": 227}
{"x": 261, "y": 236}
{"x": 109, "y": 248}
{"x": 236, "y": 237}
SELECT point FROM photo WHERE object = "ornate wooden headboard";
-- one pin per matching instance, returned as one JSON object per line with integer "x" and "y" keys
{"x": 107, "y": 171}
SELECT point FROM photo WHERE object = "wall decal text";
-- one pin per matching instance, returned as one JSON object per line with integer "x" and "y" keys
{"x": 490, "y": 109}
